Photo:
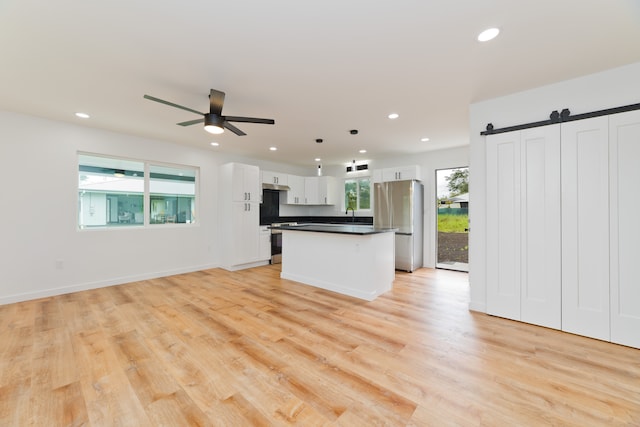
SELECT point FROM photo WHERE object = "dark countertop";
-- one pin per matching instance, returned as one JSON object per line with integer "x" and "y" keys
{"x": 360, "y": 230}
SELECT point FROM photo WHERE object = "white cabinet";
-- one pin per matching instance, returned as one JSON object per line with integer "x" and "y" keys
{"x": 523, "y": 218}
{"x": 401, "y": 173}
{"x": 319, "y": 190}
{"x": 239, "y": 215}
{"x": 275, "y": 178}
{"x": 244, "y": 246}
{"x": 311, "y": 190}
{"x": 327, "y": 194}
{"x": 295, "y": 195}
{"x": 265, "y": 242}
{"x": 624, "y": 181}
{"x": 245, "y": 182}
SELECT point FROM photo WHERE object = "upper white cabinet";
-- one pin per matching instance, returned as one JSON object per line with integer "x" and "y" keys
{"x": 319, "y": 190}
{"x": 295, "y": 195}
{"x": 327, "y": 194}
{"x": 523, "y": 220}
{"x": 275, "y": 178}
{"x": 315, "y": 190}
{"x": 624, "y": 181}
{"x": 401, "y": 173}
{"x": 245, "y": 182}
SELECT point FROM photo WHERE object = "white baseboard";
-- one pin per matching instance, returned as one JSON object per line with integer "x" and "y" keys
{"x": 477, "y": 306}
{"x": 44, "y": 293}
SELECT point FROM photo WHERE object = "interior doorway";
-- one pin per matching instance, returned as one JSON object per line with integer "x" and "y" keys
{"x": 452, "y": 207}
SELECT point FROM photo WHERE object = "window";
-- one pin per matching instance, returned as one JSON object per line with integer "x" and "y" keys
{"x": 111, "y": 193}
{"x": 357, "y": 193}
{"x": 173, "y": 194}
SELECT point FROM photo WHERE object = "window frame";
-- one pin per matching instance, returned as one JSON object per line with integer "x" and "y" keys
{"x": 146, "y": 194}
{"x": 357, "y": 180}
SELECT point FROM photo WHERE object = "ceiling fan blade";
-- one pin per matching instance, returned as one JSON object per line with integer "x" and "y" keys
{"x": 233, "y": 129}
{"x": 171, "y": 104}
{"x": 190, "y": 122}
{"x": 249, "y": 120}
{"x": 216, "y": 100}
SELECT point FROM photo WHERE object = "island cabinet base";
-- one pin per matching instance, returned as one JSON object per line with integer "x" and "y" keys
{"x": 361, "y": 266}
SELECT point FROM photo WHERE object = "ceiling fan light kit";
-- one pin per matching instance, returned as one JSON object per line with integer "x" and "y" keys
{"x": 214, "y": 121}
{"x": 213, "y": 124}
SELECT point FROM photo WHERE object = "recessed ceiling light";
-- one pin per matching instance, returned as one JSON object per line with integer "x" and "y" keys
{"x": 214, "y": 144}
{"x": 362, "y": 151}
{"x": 488, "y": 34}
{"x": 82, "y": 115}
{"x": 393, "y": 116}
{"x": 273, "y": 148}
{"x": 317, "y": 159}
{"x": 424, "y": 139}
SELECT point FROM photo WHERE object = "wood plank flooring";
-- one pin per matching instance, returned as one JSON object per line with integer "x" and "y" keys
{"x": 246, "y": 348}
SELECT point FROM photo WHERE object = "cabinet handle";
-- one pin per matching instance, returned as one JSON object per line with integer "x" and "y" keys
{"x": 249, "y": 207}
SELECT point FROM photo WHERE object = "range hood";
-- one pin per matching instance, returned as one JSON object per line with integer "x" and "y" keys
{"x": 275, "y": 187}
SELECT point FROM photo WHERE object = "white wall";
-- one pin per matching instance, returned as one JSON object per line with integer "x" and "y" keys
{"x": 44, "y": 253}
{"x": 612, "y": 88}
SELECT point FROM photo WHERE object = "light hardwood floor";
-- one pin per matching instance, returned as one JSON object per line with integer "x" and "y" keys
{"x": 247, "y": 348}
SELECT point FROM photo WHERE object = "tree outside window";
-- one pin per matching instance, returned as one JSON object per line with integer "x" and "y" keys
{"x": 357, "y": 193}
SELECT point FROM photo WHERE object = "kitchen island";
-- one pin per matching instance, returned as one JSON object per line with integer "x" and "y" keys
{"x": 355, "y": 260}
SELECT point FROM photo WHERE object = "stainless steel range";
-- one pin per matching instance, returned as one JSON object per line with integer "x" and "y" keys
{"x": 276, "y": 241}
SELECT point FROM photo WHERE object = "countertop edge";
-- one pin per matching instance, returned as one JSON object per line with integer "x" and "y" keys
{"x": 337, "y": 229}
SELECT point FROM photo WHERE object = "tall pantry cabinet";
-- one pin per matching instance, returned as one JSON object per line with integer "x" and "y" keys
{"x": 240, "y": 215}
{"x": 562, "y": 225}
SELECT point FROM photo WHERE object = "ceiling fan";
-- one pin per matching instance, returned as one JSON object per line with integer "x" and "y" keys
{"x": 214, "y": 121}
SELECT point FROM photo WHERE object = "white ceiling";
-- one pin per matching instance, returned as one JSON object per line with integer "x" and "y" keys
{"x": 318, "y": 67}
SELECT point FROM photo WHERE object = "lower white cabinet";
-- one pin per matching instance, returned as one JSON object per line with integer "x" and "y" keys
{"x": 265, "y": 242}
{"x": 562, "y": 226}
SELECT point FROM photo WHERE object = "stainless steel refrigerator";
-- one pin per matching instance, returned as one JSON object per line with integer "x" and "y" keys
{"x": 399, "y": 204}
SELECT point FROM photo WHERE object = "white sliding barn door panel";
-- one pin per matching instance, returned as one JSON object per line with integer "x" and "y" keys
{"x": 624, "y": 158}
{"x": 503, "y": 225}
{"x": 541, "y": 273}
{"x": 585, "y": 227}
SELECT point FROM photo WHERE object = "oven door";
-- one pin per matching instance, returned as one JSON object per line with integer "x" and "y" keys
{"x": 276, "y": 246}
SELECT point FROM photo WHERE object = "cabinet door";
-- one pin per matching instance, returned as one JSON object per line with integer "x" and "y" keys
{"x": 252, "y": 182}
{"x": 311, "y": 190}
{"x": 541, "y": 273}
{"x": 245, "y": 183}
{"x": 503, "y": 225}
{"x": 265, "y": 243}
{"x": 624, "y": 154}
{"x": 268, "y": 177}
{"x": 326, "y": 190}
{"x": 585, "y": 227}
{"x": 400, "y": 174}
{"x": 245, "y": 246}
{"x": 295, "y": 195}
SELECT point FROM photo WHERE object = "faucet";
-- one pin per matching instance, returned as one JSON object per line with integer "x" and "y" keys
{"x": 353, "y": 213}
